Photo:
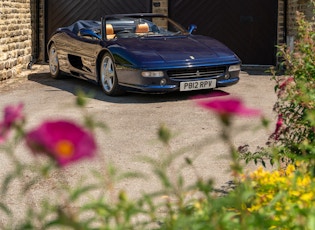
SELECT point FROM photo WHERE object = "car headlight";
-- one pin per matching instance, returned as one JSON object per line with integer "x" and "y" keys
{"x": 233, "y": 68}
{"x": 152, "y": 74}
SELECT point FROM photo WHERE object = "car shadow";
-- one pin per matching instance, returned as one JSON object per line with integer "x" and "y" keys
{"x": 257, "y": 70}
{"x": 74, "y": 85}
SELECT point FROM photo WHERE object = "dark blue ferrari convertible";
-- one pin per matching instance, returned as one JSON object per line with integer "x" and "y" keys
{"x": 141, "y": 52}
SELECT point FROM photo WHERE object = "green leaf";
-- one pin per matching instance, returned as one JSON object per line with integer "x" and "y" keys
{"x": 180, "y": 181}
{"x": 5, "y": 185}
{"x": 188, "y": 161}
{"x": 265, "y": 122}
{"x": 131, "y": 175}
{"x": 82, "y": 190}
{"x": 163, "y": 177}
{"x": 311, "y": 222}
{"x": 164, "y": 134}
{"x": 5, "y": 209}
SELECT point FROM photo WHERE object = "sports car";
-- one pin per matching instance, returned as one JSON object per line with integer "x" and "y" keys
{"x": 141, "y": 52}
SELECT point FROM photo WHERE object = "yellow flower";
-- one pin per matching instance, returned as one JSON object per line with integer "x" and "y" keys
{"x": 254, "y": 208}
{"x": 294, "y": 193}
{"x": 197, "y": 206}
{"x": 303, "y": 182}
{"x": 290, "y": 169}
{"x": 279, "y": 206}
{"x": 307, "y": 197}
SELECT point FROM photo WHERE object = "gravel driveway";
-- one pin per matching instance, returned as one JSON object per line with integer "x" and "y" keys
{"x": 134, "y": 119}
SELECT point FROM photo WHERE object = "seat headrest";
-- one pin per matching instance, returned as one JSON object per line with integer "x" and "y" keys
{"x": 109, "y": 29}
{"x": 142, "y": 28}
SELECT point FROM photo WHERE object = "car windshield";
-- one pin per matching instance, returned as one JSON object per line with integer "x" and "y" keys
{"x": 128, "y": 27}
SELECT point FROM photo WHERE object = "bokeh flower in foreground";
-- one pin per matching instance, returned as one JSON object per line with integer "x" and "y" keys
{"x": 64, "y": 141}
{"x": 13, "y": 115}
{"x": 225, "y": 108}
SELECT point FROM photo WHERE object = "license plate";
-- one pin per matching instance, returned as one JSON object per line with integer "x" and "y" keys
{"x": 197, "y": 85}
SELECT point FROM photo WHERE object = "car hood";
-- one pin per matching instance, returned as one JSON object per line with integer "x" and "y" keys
{"x": 166, "y": 52}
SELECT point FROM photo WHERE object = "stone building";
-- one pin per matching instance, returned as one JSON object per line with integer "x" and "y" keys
{"x": 23, "y": 25}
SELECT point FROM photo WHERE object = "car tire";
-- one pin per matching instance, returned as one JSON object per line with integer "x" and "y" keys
{"x": 54, "y": 62}
{"x": 108, "y": 76}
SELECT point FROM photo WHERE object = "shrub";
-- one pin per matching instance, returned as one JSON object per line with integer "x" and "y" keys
{"x": 294, "y": 135}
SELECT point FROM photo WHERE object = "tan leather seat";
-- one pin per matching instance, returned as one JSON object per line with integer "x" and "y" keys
{"x": 142, "y": 28}
{"x": 109, "y": 31}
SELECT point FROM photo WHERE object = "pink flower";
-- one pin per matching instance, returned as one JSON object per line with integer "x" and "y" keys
{"x": 228, "y": 107}
{"x": 284, "y": 85}
{"x": 286, "y": 82}
{"x": 64, "y": 141}
{"x": 278, "y": 126}
{"x": 12, "y": 115}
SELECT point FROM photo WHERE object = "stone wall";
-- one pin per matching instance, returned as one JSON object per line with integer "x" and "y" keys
{"x": 281, "y": 22}
{"x": 41, "y": 35}
{"x": 160, "y": 7}
{"x": 15, "y": 37}
{"x": 304, "y": 6}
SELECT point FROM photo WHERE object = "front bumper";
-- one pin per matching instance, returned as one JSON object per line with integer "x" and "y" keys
{"x": 131, "y": 80}
{"x": 172, "y": 87}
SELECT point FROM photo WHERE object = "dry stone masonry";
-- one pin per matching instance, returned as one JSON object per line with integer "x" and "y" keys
{"x": 15, "y": 37}
{"x": 294, "y": 6}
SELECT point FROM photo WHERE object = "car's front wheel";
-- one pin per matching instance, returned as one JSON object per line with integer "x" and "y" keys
{"x": 54, "y": 62}
{"x": 108, "y": 77}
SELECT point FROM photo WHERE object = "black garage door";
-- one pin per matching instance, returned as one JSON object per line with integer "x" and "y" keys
{"x": 65, "y": 12}
{"x": 248, "y": 27}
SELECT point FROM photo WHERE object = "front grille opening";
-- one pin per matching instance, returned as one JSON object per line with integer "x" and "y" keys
{"x": 193, "y": 73}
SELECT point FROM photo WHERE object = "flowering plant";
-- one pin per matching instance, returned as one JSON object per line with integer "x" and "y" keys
{"x": 294, "y": 134}
{"x": 285, "y": 197}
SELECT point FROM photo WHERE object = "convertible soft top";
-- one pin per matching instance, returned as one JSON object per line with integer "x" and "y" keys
{"x": 83, "y": 24}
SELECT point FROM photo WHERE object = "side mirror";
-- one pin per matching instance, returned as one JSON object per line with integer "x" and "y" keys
{"x": 192, "y": 28}
{"x": 88, "y": 33}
